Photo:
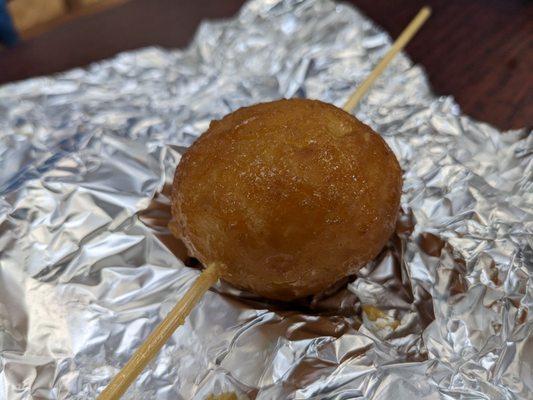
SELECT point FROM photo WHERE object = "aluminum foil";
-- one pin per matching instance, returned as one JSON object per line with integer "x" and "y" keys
{"x": 88, "y": 268}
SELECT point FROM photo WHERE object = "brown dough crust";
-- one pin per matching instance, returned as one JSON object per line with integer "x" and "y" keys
{"x": 289, "y": 196}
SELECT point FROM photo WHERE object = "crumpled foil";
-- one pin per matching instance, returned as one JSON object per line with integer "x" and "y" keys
{"x": 88, "y": 268}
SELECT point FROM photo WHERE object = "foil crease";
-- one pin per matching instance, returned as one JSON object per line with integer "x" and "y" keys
{"x": 88, "y": 268}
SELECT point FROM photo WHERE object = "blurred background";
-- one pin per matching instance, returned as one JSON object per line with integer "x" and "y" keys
{"x": 24, "y": 19}
{"x": 479, "y": 51}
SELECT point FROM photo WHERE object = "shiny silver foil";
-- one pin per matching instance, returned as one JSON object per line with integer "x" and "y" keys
{"x": 88, "y": 268}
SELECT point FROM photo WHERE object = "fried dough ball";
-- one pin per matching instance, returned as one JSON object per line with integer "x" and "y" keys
{"x": 288, "y": 196}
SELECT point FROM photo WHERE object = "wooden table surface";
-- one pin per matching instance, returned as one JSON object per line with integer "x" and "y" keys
{"x": 479, "y": 51}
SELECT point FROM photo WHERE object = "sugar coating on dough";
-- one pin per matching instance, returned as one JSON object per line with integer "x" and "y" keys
{"x": 289, "y": 196}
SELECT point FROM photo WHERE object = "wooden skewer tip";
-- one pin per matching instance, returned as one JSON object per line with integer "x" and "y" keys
{"x": 396, "y": 47}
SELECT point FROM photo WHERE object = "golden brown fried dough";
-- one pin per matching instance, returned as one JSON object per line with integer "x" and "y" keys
{"x": 289, "y": 196}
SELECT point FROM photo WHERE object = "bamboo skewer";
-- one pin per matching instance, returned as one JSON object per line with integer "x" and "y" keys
{"x": 151, "y": 346}
{"x": 397, "y": 46}
{"x": 176, "y": 317}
